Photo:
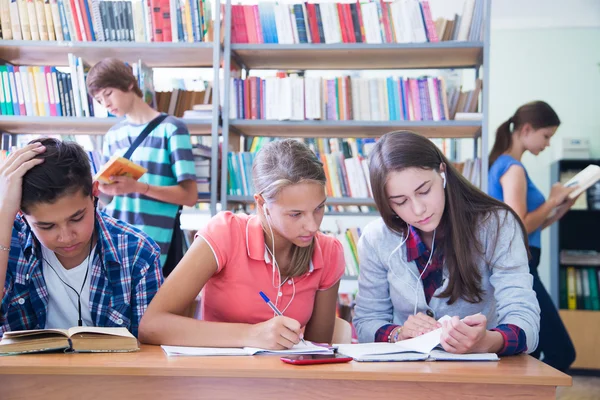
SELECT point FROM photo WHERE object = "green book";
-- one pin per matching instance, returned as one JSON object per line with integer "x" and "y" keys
{"x": 593, "y": 280}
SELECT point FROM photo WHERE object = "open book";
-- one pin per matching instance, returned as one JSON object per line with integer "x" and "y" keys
{"x": 84, "y": 339}
{"x": 419, "y": 348}
{"x": 119, "y": 166}
{"x": 300, "y": 348}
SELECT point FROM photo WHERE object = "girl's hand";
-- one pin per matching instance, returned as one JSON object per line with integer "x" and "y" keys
{"x": 466, "y": 336}
{"x": 417, "y": 325}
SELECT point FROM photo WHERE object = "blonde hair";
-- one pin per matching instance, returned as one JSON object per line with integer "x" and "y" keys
{"x": 282, "y": 163}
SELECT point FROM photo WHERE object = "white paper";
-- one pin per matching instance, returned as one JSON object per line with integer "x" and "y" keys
{"x": 202, "y": 351}
{"x": 300, "y": 348}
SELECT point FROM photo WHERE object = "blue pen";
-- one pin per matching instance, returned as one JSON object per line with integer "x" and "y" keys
{"x": 275, "y": 309}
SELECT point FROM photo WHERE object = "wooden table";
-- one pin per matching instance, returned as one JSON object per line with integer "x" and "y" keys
{"x": 150, "y": 374}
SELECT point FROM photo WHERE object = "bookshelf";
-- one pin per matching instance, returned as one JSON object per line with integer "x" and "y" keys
{"x": 355, "y": 129}
{"x": 153, "y": 54}
{"x": 78, "y": 125}
{"x": 449, "y": 54}
{"x": 575, "y": 232}
{"x": 354, "y": 56}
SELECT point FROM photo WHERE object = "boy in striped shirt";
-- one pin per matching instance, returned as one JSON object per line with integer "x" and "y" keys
{"x": 151, "y": 203}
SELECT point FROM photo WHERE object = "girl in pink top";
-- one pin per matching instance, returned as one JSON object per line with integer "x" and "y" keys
{"x": 278, "y": 251}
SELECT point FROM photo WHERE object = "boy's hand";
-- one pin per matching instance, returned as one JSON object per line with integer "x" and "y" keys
{"x": 11, "y": 177}
{"x": 121, "y": 185}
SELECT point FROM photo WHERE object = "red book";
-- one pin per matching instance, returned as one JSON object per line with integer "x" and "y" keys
{"x": 250, "y": 28}
{"x": 312, "y": 22}
{"x": 342, "y": 21}
{"x": 247, "y": 113}
{"x": 253, "y": 98}
{"x": 76, "y": 20}
{"x": 165, "y": 8}
{"x": 349, "y": 25}
{"x": 85, "y": 20}
{"x": 238, "y": 23}
{"x": 157, "y": 21}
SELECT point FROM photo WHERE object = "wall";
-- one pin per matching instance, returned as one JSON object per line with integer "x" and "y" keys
{"x": 558, "y": 65}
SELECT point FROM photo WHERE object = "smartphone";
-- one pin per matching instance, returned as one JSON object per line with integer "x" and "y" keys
{"x": 310, "y": 359}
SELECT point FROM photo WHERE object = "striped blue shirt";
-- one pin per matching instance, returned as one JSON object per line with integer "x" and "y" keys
{"x": 167, "y": 155}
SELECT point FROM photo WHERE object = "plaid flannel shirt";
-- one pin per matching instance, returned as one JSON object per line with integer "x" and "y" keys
{"x": 125, "y": 276}
{"x": 515, "y": 341}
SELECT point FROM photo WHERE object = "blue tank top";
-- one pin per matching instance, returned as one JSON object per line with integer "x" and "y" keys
{"x": 535, "y": 198}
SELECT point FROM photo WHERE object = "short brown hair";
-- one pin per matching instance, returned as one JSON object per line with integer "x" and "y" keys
{"x": 66, "y": 170}
{"x": 111, "y": 73}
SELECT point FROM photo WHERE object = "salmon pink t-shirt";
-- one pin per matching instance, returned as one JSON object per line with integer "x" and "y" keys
{"x": 232, "y": 293}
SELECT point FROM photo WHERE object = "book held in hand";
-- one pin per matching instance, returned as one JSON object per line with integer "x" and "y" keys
{"x": 584, "y": 180}
{"x": 81, "y": 339}
{"x": 119, "y": 166}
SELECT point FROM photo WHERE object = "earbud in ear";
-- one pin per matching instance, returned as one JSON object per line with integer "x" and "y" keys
{"x": 443, "y": 175}
{"x": 265, "y": 209}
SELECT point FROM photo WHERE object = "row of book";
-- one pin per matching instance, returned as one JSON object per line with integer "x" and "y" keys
{"x": 106, "y": 20}
{"x": 578, "y": 288}
{"x": 46, "y": 91}
{"x": 371, "y": 21}
{"x": 345, "y": 164}
{"x": 292, "y": 97}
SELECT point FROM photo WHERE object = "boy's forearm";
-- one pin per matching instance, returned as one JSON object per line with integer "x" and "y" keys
{"x": 183, "y": 194}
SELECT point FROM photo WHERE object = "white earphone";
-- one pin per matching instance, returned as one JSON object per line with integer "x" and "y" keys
{"x": 416, "y": 288}
{"x": 276, "y": 266}
{"x": 443, "y": 175}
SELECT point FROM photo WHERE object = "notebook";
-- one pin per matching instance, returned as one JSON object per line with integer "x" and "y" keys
{"x": 300, "y": 348}
{"x": 424, "y": 347}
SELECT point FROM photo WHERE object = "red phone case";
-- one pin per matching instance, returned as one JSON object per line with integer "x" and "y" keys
{"x": 332, "y": 360}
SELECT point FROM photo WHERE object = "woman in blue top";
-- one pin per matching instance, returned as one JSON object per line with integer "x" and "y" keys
{"x": 530, "y": 129}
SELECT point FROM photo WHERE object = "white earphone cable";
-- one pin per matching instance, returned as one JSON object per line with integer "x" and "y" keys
{"x": 418, "y": 280}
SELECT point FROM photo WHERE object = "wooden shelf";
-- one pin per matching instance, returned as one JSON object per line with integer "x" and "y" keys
{"x": 156, "y": 54}
{"x": 78, "y": 125}
{"x": 331, "y": 201}
{"x": 450, "y": 54}
{"x": 355, "y": 129}
{"x": 583, "y": 327}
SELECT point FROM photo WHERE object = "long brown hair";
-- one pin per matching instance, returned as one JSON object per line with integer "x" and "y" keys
{"x": 466, "y": 208}
{"x": 538, "y": 114}
{"x": 283, "y": 163}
